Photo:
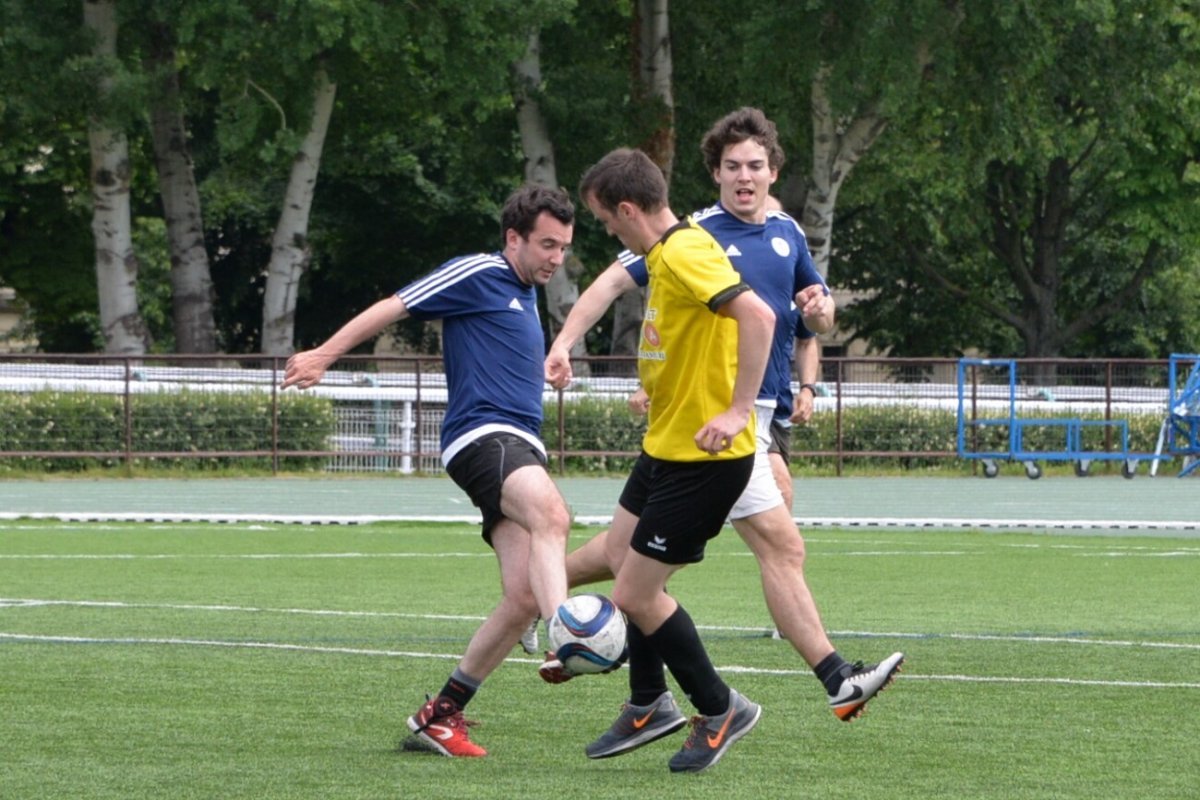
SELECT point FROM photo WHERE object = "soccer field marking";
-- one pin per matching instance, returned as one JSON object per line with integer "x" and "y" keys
{"x": 1106, "y": 553}
{"x": 356, "y": 554}
{"x": 360, "y": 651}
{"x": 13, "y": 602}
{"x": 18, "y": 602}
{"x": 906, "y": 523}
{"x": 201, "y": 556}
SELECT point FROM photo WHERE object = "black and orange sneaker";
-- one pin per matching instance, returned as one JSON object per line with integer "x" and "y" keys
{"x": 861, "y": 683}
{"x": 712, "y": 736}
{"x": 440, "y": 725}
{"x": 638, "y": 725}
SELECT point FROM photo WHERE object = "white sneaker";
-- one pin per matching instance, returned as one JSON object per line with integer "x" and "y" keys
{"x": 862, "y": 683}
{"x": 529, "y": 639}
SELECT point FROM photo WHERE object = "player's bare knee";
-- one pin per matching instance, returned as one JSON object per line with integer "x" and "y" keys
{"x": 520, "y": 604}
{"x": 555, "y": 522}
{"x": 632, "y": 602}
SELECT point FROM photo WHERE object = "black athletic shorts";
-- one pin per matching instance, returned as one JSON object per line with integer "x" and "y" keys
{"x": 781, "y": 440}
{"x": 481, "y": 467}
{"x": 680, "y": 505}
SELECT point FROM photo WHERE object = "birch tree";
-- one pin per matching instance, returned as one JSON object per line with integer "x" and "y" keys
{"x": 654, "y": 96}
{"x": 290, "y": 251}
{"x": 121, "y": 322}
{"x": 856, "y": 75}
{"x": 562, "y": 291}
{"x": 191, "y": 277}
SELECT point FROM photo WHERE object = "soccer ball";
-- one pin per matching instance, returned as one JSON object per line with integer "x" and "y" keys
{"x": 587, "y": 634}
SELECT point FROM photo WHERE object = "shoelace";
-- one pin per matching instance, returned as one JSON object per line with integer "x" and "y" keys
{"x": 697, "y": 722}
{"x": 453, "y": 720}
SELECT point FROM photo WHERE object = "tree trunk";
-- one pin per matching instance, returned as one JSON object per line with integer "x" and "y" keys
{"x": 191, "y": 278}
{"x": 116, "y": 263}
{"x": 652, "y": 54}
{"x": 562, "y": 291}
{"x": 834, "y": 156}
{"x": 654, "y": 70}
{"x": 290, "y": 252}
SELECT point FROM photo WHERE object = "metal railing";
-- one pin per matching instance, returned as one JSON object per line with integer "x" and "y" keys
{"x": 386, "y": 410}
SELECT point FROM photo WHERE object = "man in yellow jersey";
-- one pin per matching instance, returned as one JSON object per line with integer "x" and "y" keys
{"x": 703, "y": 350}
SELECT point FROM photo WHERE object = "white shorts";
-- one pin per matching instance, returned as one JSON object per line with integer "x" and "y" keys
{"x": 761, "y": 493}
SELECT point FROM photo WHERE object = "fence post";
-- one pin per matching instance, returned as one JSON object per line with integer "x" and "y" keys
{"x": 128, "y": 417}
{"x": 838, "y": 417}
{"x": 274, "y": 415}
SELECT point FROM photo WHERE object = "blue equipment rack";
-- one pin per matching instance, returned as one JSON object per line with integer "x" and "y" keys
{"x": 1073, "y": 431}
{"x": 1183, "y": 411}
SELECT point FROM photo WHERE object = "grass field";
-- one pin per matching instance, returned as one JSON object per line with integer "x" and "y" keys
{"x": 260, "y": 661}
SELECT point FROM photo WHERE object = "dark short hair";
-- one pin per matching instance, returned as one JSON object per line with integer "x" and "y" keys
{"x": 525, "y": 205}
{"x": 625, "y": 175}
{"x": 735, "y": 128}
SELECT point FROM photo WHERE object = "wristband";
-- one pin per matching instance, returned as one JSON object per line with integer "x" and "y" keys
{"x": 812, "y": 387}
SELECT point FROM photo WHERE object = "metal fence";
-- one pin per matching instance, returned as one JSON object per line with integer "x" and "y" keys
{"x": 374, "y": 414}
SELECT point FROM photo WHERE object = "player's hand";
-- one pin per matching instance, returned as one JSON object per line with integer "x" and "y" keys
{"x": 305, "y": 369}
{"x": 720, "y": 431}
{"x": 803, "y": 411}
{"x": 558, "y": 367}
{"x": 817, "y": 307}
{"x": 639, "y": 402}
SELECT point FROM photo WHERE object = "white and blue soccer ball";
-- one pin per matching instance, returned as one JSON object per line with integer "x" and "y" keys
{"x": 587, "y": 634}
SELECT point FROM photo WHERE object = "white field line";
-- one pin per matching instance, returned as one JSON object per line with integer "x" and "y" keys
{"x": 15, "y": 602}
{"x": 358, "y": 651}
{"x": 989, "y": 523}
{"x": 204, "y": 556}
{"x": 1105, "y": 552}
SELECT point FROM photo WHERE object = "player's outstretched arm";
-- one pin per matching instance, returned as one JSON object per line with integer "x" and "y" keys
{"x": 306, "y": 368}
{"x": 587, "y": 311}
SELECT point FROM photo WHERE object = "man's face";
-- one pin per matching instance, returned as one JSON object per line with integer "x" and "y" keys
{"x": 744, "y": 179}
{"x": 618, "y": 223}
{"x": 537, "y": 258}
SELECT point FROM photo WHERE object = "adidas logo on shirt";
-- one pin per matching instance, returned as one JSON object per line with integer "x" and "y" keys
{"x": 733, "y": 251}
{"x": 516, "y": 304}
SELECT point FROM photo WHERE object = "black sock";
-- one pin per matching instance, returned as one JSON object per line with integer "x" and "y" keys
{"x": 460, "y": 688}
{"x": 647, "y": 678}
{"x": 829, "y": 671}
{"x": 678, "y": 644}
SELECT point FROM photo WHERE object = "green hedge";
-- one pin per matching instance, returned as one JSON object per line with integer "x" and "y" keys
{"x": 602, "y": 424}
{"x": 191, "y": 421}
{"x": 595, "y": 423}
{"x": 183, "y": 422}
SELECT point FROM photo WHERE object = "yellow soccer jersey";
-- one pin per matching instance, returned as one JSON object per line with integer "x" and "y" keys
{"x": 687, "y": 356}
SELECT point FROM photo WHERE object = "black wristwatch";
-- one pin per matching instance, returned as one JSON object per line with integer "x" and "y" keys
{"x": 812, "y": 387}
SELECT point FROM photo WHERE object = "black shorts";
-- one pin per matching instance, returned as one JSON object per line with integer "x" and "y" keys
{"x": 481, "y": 467}
{"x": 781, "y": 440}
{"x": 680, "y": 505}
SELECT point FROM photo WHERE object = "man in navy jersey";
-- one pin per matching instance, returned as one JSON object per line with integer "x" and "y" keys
{"x": 493, "y": 347}
{"x": 769, "y": 250}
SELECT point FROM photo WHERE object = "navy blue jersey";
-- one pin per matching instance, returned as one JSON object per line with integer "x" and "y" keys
{"x": 773, "y": 259}
{"x": 492, "y": 345}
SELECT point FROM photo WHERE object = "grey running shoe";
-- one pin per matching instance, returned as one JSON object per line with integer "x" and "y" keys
{"x": 529, "y": 639}
{"x": 638, "y": 725}
{"x": 862, "y": 683}
{"x": 711, "y": 736}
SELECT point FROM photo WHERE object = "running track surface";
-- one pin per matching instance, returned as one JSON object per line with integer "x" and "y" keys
{"x": 1099, "y": 504}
